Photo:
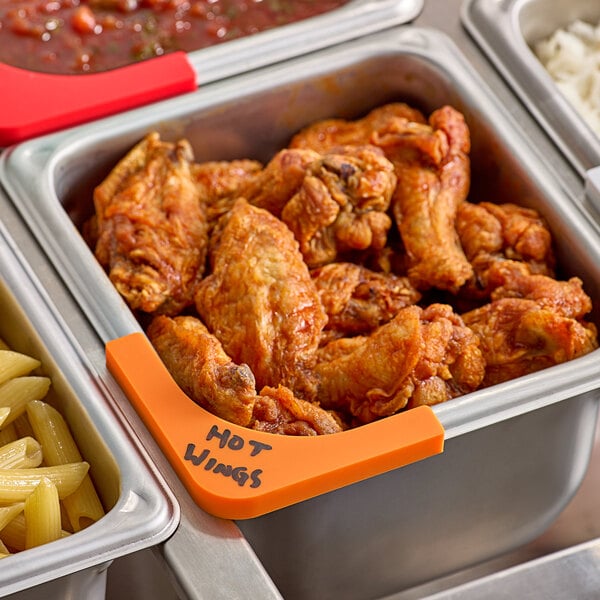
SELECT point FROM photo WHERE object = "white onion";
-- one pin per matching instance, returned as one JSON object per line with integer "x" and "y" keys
{"x": 572, "y": 58}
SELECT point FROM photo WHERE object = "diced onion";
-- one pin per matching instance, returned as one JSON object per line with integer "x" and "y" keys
{"x": 571, "y": 56}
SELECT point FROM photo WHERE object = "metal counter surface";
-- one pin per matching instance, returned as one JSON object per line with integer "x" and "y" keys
{"x": 562, "y": 563}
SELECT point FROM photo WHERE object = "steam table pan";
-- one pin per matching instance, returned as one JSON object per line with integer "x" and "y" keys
{"x": 506, "y": 31}
{"x": 34, "y": 103}
{"x": 382, "y": 507}
{"x": 140, "y": 510}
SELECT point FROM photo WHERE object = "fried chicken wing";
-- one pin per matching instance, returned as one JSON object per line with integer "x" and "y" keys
{"x": 419, "y": 357}
{"x": 452, "y": 363}
{"x": 532, "y": 322}
{"x": 525, "y": 235}
{"x": 342, "y": 204}
{"x": 492, "y": 233}
{"x": 152, "y": 227}
{"x": 202, "y": 369}
{"x": 282, "y": 177}
{"x": 433, "y": 170}
{"x": 260, "y": 300}
{"x": 278, "y": 411}
{"x": 358, "y": 300}
{"x": 339, "y": 348}
{"x": 518, "y": 336}
{"x": 370, "y": 381}
{"x": 326, "y": 134}
{"x": 200, "y": 366}
{"x": 512, "y": 279}
{"x": 219, "y": 183}
{"x": 314, "y": 312}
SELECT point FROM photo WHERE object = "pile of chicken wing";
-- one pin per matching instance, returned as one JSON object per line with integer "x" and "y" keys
{"x": 321, "y": 290}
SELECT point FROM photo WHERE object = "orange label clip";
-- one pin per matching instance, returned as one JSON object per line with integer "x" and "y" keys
{"x": 236, "y": 473}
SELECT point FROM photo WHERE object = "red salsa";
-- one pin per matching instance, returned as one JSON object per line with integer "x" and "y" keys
{"x": 88, "y": 36}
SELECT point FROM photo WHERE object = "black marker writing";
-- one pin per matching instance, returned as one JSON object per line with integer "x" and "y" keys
{"x": 235, "y": 442}
{"x": 240, "y": 475}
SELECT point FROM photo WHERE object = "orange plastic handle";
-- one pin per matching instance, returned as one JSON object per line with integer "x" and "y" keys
{"x": 237, "y": 473}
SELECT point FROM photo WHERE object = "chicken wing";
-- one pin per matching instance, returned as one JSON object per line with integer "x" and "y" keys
{"x": 219, "y": 183}
{"x": 358, "y": 300}
{"x": 452, "y": 363}
{"x": 260, "y": 300}
{"x": 433, "y": 170}
{"x": 419, "y": 357}
{"x": 342, "y": 204}
{"x": 326, "y": 134}
{"x": 532, "y": 322}
{"x": 525, "y": 236}
{"x": 278, "y": 411}
{"x": 518, "y": 336}
{"x": 512, "y": 279}
{"x": 492, "y": 233}
{"x": 200, "y": 366}
{"x": 370, "y": 381}
{"x": 282, "y": 177}
{"x": 151, "y": 227}
{"x": 202, "y": 369}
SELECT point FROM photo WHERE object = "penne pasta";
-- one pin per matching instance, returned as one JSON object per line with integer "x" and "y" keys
{"x": 52, "y": 432}
{"x": 4, "y": 345}
{"x": 46, "y": 491}
{"x": 15, "y": 364}
{"x": 42, "y": 515}
{"x": 24, "y": 453}
{"x": 22, "y": 426}
{"x": 13, "y": 534}
{"x": 8, "y": 434}
{"x": 17, "y": 392}
{"x": 64, "y": 517}
{"x": 17, "y": 484}
{"x": 49, "y": 427}
{"x": 4, "y": 412}
{"x": 8, "y": 513}
{"x": 83, "y": 506}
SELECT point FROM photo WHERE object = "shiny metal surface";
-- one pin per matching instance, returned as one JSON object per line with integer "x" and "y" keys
{"x": 253, "y": 115}
{"x": 353, "y": 20}
{"x": 564, "y": 562}
{"x": 566, "y": 554}
{"x": 489, "y": 433}
{"x": 140, "y": 509}
{"x": 218, "y": 562}
{"x": 428, "y": 520}
{"x": 505, "y": 30}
